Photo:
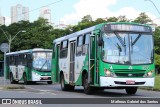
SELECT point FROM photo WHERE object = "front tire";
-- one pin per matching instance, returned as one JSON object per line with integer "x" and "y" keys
{"x": 63, "y": 85}
{"x": 11, "y": 78}
{"x": 131, "y": 90}
{"x": 12, "y": 81}
{"x": 87, "y": 89}
{"x": 25, "y": 79}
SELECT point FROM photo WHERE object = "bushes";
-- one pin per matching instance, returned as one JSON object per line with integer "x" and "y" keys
{"x": 157, "y": 62}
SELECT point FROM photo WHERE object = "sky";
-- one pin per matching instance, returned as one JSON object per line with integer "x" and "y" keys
{"x": 72, "y": 11}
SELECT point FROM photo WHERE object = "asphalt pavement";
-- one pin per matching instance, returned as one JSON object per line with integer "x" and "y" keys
{"x": 43, "y": 90}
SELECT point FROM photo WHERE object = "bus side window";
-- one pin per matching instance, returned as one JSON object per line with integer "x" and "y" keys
{"x": 16, "y": 58}
{"x": 64, "y": 49}
{"x": 29, "y": 60}
{"x": 25, "y": 59}
{"x": 11, "y": 61}
{"x": 85, "y": 44}
{"x": 20, "y": 59}
{"x": 79, "y": 45}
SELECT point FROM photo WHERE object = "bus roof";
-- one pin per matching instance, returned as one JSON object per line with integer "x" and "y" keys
{"x": 29, "y": 51}
{"x": 87, "y": 30}
{"x": 74, "y": 34}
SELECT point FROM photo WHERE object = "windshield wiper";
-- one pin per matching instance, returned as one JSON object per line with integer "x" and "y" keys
{"x": 43, "y": 65}
{"x": 123, "y": 42}
{"x": 120, "y": 39}
{"x": 44, "y": 62}
{"x": 136, "y": 39}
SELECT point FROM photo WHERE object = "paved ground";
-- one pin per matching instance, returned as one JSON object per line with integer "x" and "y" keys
{"x": 43, "y": 90}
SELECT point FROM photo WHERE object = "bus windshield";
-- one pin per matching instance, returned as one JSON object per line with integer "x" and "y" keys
{"x": 42, "y": 61}
{"x": 127, "y": 48}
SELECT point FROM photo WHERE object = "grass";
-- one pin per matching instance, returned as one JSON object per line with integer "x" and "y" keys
{"x": 13, "y": 87}
{"x": 157, "y": 83}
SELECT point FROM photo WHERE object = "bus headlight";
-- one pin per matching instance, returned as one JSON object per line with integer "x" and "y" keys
{"x": 109, "y": 73}
{"x": 149, "y": 74}
{"x": 35, "y": 73}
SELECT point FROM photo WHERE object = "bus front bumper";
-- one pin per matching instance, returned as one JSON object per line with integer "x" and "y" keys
{"x": 120, "y": 82}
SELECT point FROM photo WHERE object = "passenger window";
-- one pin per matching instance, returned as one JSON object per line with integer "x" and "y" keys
{"x": 80, "y": 38}
{"x": 79, "y": 45}
{"x": 85, "y": 44}
{"x": 86, "y": 39}
{"x": 64, "y": 49}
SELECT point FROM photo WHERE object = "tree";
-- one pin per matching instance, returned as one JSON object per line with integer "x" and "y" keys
{"x": 157, "y": 59}
{"x": 84, "y": 23}
{"x": 112, "y": 19}
{"x": 86, "y": 18}
{"x": 99, "y": 20}
{"x": 142, "y": 18}
{"x": 123, "y": 19}
{"x": 156, "y": 40}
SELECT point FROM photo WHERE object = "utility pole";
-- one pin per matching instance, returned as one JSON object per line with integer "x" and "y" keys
{"x": 9, "y": 38}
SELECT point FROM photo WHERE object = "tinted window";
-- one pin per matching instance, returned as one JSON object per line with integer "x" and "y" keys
{"x": 79, "y": 45}
{"x": 64, "y": 49}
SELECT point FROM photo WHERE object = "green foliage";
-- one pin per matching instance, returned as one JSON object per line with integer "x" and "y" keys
{"x": 143, "y": 19}
{"x": 112, "y": 19}
{"x": 157, "y": 40}
{"x": 157, "y": 59}
{"x": 123, "y": 19}
{"x": 86, "y": 18}
{"x": 39, "y": 34}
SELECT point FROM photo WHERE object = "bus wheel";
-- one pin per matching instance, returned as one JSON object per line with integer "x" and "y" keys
{"x": 25, "y": 79}
{"x": 11, "y": 78}
{"x": 49, "y": 82}
{"x": 70, "y": 87}
{"x": 87, "y": 89}
{"x": 131, "y": 90}
{"x": 63, "y": 85}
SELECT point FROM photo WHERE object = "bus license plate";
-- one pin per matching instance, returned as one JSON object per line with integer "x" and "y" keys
{"x": 130, "y": 82}
{"x": 45, "y": 78}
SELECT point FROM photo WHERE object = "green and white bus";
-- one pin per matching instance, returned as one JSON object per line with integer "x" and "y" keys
{"x": 32, "y": 65}
{"x": 108, "y": 55}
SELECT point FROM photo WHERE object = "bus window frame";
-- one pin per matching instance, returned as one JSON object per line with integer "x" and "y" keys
{"x": 79, "y": 46}
{"x": 84, "y": 43}
{"x": 63, "y": 49}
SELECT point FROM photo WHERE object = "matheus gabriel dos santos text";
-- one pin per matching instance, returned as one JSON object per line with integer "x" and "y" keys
{"x": 142, "y": 101}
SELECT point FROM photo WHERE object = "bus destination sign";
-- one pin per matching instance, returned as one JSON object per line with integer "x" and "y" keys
{"x": 127, "y": 27}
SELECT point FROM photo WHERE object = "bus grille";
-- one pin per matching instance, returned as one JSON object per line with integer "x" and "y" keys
{"x": 129, "y": 73}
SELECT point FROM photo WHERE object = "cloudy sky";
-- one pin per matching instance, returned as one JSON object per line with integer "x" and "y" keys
{"x": 71, "y": 11}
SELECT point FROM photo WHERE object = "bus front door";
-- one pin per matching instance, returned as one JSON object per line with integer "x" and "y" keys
{"x": 72, "y": 61}
{"x": 57, "y": 63}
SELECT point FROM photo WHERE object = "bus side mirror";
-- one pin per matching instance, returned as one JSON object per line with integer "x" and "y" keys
{"x": 100, "y": 41}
